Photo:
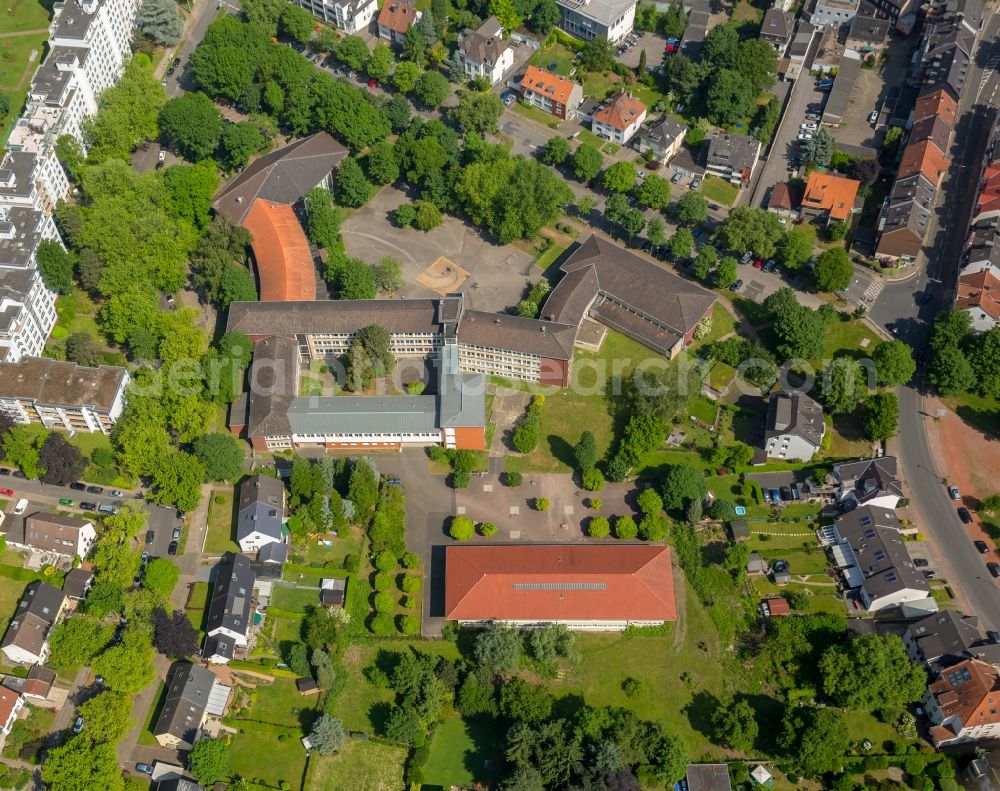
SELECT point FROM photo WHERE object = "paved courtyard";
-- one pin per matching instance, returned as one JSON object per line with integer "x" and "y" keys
{"x": 496, "y": 276}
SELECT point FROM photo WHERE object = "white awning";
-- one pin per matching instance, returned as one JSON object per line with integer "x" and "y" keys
{"x": 217, "y": 699}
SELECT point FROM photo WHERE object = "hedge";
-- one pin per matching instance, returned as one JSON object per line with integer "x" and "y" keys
{"x": 331, "y": 571}
{"x": 263, "y": 666}
{"x": 277, "y": 612}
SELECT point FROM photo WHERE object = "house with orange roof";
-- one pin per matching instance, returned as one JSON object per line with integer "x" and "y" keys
{"x": 988, "y": 200}
{"x": 923, "y": 157}
{"x": 11, "y": 704}
{"x": 395, "y": 18}
{"x": 937, "y": 103}
{"x": 963, "y": 704}
{"x": 551, "y": 93}
{"x": 619, "y": 118}
{"x": 979, "y": 295}
{"x": 829, "y": 198}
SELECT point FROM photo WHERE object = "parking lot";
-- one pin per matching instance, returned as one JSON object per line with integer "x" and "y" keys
{"x": 652, "y": 43}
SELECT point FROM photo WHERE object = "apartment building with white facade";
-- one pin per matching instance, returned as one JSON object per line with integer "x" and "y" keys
{"x": 588, "y": 19}
{"x": 351, "y": 17}
{"x": 962, "y": 703}
{"x": 101, "y": 32}
{"x": 484, "y": 52}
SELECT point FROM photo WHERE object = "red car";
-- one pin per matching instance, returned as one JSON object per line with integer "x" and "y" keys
{"x": 758, "y": 263}
{"x": 371, "y": 83}
{"x": 7, "y": 492}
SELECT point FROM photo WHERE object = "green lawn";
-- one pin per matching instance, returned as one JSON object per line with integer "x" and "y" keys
{"x": 723, "y": 323}
{"x": 221, "y": 523}
{"x": 263, "y": 757}
{"x": 10, "y": 594}
{"x": 360, "y": 765}
{"x": 308, "y": 386}
{"x": 460, "y": 752}
{"x": 600, "y": 85}
{"x": 292, "y": 599}
{"x": 557, "y": 54}
{"x": 705, "y": 409}
{"x": 536, "y": 115}
{"x": 745, "y": 12}
{"x": 719, "y": 191}
{"x": 845, "y": 336}
{"x": 720, "y": 376}
{"x": 146, "y": 737}
{"x": 281, "y": 704}
{"x": 847, "y": 440}
{"x": 980, "y": 412}
{"x": 549, "y": 257}
{"x": 583, "y": 136}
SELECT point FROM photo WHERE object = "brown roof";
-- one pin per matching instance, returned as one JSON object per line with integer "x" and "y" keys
{"x": 280, "y": 248}
{"x": 531, "y": 336}
{"x": 782, "y": 197}
{"x": 980, "y": 291}
{"x": 620, "y": 111}
{"x": 333, "y": 316}
{"x": 932, "y": 128}
{"x": 39, "y": 681}
{"x": 551, "y": 85}
{"x": 559, "y": 583}
{"x": 831, "y": 193}
{"x": 937, "y": 103}
{"x": 397, "y": 15}
{"x": 968, "y": 691}
{"x": 77, "y": 582}
{"x": 28, "y": 632}
{"x": 284, "y": 175}
{"x": 485, "y": 44}
{"x": 50, "y": 531}
{"x": 8, "y": 699}
{"x": 273, "y": 384}
{"x": 922, "y": 157}
{"x": 777, "y": 606}
{"x": 58, "y": 383}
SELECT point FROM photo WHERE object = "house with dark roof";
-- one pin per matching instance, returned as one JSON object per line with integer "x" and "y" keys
{"x": 179, "y": 784}
{"x": 332, "y": 592}
{"x": 868, "y": 482}
{"x": 873, "y": 560}
{"x": 36, "y": 685}
{"x": 26, "y": 640}
{"x": 732, "y": 156}
{"x": 77, "y": 583}
{"x": 983, "y": 247}
{"x": 963, "y": 704}
{"x": 188, "y": 689}
{"x": 395, "y": 18}
{"x": 868, "y": 34}
{"x": 978, "y": 295}
{"x": 261, "y": 512}
{"x": 230, "y": 610}
{"x": 484, "y": 52}
{"x": 586, "y": 587}
{"x": 777, "y": 28}
{"x": 618, "y": 119}
{"x": 904, "y": 219}
{"x": 55, "y": 533}
{"x": 795, "y": 428}
{"x": 662, "y": 139}
{"x": 784, "y": 200}
{"x": 941, "y": 639}
{"x": 708, "y": 777}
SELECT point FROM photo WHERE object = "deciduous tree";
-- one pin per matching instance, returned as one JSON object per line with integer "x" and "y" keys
{"x": 587, "y": 162}
{"x": 209, "y": 761}
{"x": 62, "y": 463}
{"x": 894, "y": 363}
{"x": 881, "y": 416}
{"x": 833, "y": 270}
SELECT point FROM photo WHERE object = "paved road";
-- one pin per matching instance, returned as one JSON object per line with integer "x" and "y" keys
{"x": 897, "y": 305}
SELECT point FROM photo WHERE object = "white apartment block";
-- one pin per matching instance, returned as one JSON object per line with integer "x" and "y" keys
{"x": 103, "y": 29}
{"x": 351, "y": 17}
{"x": 27, "y": 314}
{"x": 588, "y": 19}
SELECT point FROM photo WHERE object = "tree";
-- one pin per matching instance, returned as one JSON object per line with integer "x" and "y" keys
{"x": 21, "y": 447}
{"x": 127, "y": 116}
{"x": 819, "y": 149}
{"x": 77, "y": 640}
{"x": 587, "y": 162}
{"x": 506, "y": 14}
{"x": 800, "y": 330}
{"x": 842, "y": 385}
{"x": 599, "y": 527}
{"x": 890, "y": 678}
{"x": 731, "y": 96}
{"x": 793, "y": 249}
{"x": 692, "y": 208}
{"x": 327, "y": 735}
{"x": 950, "y": 328}
{"x": 353, "y": 188}
{"x": 403, "y": 725}
{"x": 174, "y": 636}
{"x": 61, "y": 462}
{"x": 865, "y": 170}
{"x": 352, "y": 52}
{"x": 752, "y": 229}
{"x": 414, "y": 46}
{"x": 681, "y": 244}
{"x": 522, "y": 701}
{"x": 380, "y": 62}
{"x": 619, "y": 177}
{"x": 383, "y": 166}
{"x": 56, "y": 265}
{"x": 295, "y": 24}
{"x": 894, "y": 363}
{"x": 461, "y": 528}
{"x": 626, "y": 528}
{"x": 108, "y": 715}
{"x": 431, "y": 89}
{"x": 221, "y": 455}
{"x": 477, "y": 112}
{"x": 680, "y": 485}
{"x": 833, "y": 270}
{"x": 388, "y": 275}
{"x": 428, "y": 216}
{"x": 757, "y": 60}
{"x": 585, "y": 452}
{"x": 160, "y": 576}
{"x": 984, "y": 357}
{"x": 238, "y": 142}
{"x": 497, "y": 649}
{"x": 528, "y": 434}
{"x": 654, "y": 192}
{"x": 735, "y": 725}
{"x": 405, "y": 77}
{"x": 159, "y": 20}
{"x": 81, "y": 764}
{"x": 704, "y": 261}
{"x": 597, "y": 55}
{"x": 555, "y": 151}
{"x": 881, "y": 416}
{"x": 721, "y": 45}
{"x": 817, "y": 738}
{"x": 727, "y": 272}
{"x": 192, "y": 124}
{"x": 656, "y": 232}
{"x": 355, "y": 280}
{"x": 208, "y": 762}
{"x": 128, "y": 666}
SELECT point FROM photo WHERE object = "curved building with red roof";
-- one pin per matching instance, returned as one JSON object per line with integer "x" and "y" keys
{"x": 281, "y": 251}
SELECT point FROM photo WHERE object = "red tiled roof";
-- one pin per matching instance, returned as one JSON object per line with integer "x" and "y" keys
{"x": 559, "y": 583}
{"x": 280, "y": 248}
{"x": 8, "y": 699}
{"x": 620, "y": 112}
{"x": 989, "y": 194}
{"x": 969, "y": 691}
{"x": 552, "y": 85}
{"x": 834, "y": 194}
{"x": 923, "y": 157}
{"x": 781, "y": 197}
{"x": 980, "y": 290}
{"x": 778, "y": 606}
{"x": 938, "y": 103}
{"x": 397, "y": 15}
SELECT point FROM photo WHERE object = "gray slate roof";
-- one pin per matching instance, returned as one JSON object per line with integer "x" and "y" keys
{"x": 231, "y": 605}
{"x": 261, "y": 507}
{"x": 945, "y": 634}
{"x": 484, "y": 45}
{"x": 187, "y": 697}
{"x": 795, "y": 413}
{"x": 868, "y": 478}
{"x": 873, "y": 534}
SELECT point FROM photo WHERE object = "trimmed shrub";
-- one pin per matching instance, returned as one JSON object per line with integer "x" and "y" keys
{"x": 382, "y": 625}
{"x": 410, "y": 560}
{"x": 352, "y": 563}
{"x": 411, "y": 583}
{"x": 461, "y": 528}
{"x": 593, "y": 480}
{"x": 625, "y": 528}
{"x": 408, "y": 624}
{"x": 540, "y": 504}
{"x": 382, "y": 581}
{"x": 384, "y": 602}
{"x": 513, "y": 479}
{"x": 385, "y": 560}
{"x": 487, "y": 529}
{"x": 599, "y": 527}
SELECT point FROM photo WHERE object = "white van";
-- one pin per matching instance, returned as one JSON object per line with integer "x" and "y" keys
{"x": 21, "y": 507}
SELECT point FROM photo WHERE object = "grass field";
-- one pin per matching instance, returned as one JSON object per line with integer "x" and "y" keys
{"x": 360, "y": 766}
{"x": 221, "y": 528}
{"x": 460, "y": 753}
{"x": 30, "y": 19}
{"x": 146, "y": 737}
{"x": 559, "y": 57}
{"x": 293, "y": 599}
{"x": 980, "y": 412}
{"x": 536, "y": 115}
{"x": 281, "y": 704}
{"x": 600, "y": 85}
{"x": 262, "y": 757}
{"x": 719, "y": 191}
{"x": 10, "y": 594}
{"x": 583, "y": 136}
{"x": 845, "y": 337}
{"x": 723, "y": 323}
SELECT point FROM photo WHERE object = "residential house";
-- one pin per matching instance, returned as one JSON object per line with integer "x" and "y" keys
{"x": 63, "y": 395}
{"x": 11, "y": 704}
{"x": 936, "y": 104}
{"x": 588, "y": 19}
{"x": 948, "y": 40}
{"x": 27, "y": 306}
{"x": 179, "y": 784}
{"x": 261, "y": 512}
{"x": 332, "y": 592}
{"x": 790, "y": 67}
{"x": 923, "y": 158}
{"x": 868, "y": 482}
{"x": 983, "y": 248}
{"x": 708, "y": 777}
{"x": 395, "y": 18}
{"x": 795, "y": 427}
{"x": 100, "y": 31}
{"x": 904, "y": 219}
{"x": 36, "y": 686}
{"x": 963, "y": 704}
{"x": 26, "y": 639}
{"x": 619, "y": 119}
{"x": 943, "y": 638}
{"x": 585, "y": 587}
{"x": 830, "y": 198}
{"x": 979, "y": 295}
{"x": 868, "y": 34}
{"x": 777, "y": 28}
{"x": 873, "y": 560}
{"x": 350, "y": 16}
{"x": 77, "y": 583}
{"x": 662, "y": 139}
{"x": 551, "y": 93}
{"x": 484, "y": 52}
{"x": 188, "y": 689}
{"x": 833, "y": 14}
{"x": 837, "y": 102}
{"x": 776, "y": 607}
{"x": 899, "y": 12}
{"x": 829, "y": 52}
{"x": 756, "y": 565}
{"x": 230, "y": 610}
{"x": 732, "y": 156}
{"x": 55, "y": 533}
{"x": 785, "y": 200}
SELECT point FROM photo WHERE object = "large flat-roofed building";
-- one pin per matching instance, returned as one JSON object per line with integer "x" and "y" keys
{"x": 587, "y": 587}
{"x": 587, "y": 19}
{"x": 63, "y": 395}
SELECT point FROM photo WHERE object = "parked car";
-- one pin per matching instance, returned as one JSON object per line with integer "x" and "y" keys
{"x": 735, "y": 287}
{"x": 7, "y": 492}
{"x": 770, "y": 265}
{"x": 145, "y": 769}
{"x": 994, "y": 569}
{"x": 95, "y": 490}
{"x": 965, "y": 516}
{"x": 675, "y": 178}
{"x": 150, "y": 536}
{"x": 508, "y": 99}
{"x": 176, "y": 534}
{"x": 813, "y": 117}
{"x": 953, "y": 493}
{"x": 994, "y": 637}
{"x": 117, "y": 493}
{"x": 4, "y": 471}
{"x": 982, "y": 546}
{"x": 78, "y": 487}
{"x": 805, "y": 136}
{"x": 873, "y": 116}
{"x": 67, "y": 501}
{"x": 929, "y": 574}
{"x": 758, "y": 263}
{"x": 88, "y": 506}
{"x": 78, "y": 725}
{"x": 808, "y": 126}
{"x": 172, "y": 548}
{"x": 746, "y": 257}
{"x": 920, "y": 563}
{"x": 695, "y": 183}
